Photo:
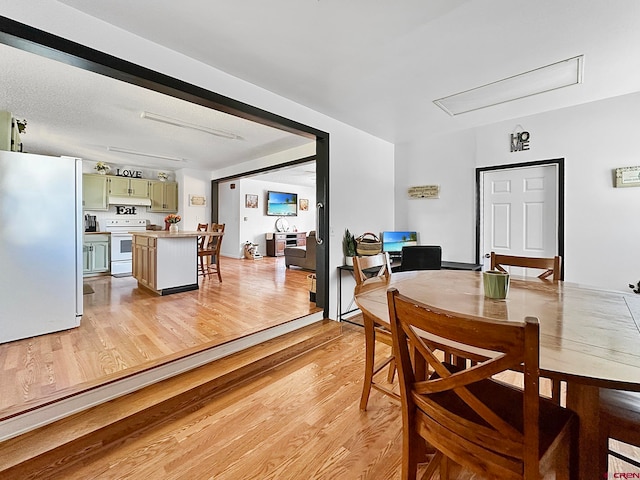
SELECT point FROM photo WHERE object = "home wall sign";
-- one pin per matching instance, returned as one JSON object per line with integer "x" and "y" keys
{"x": 425, "y": 191}
{"x": 628, "y": 177}
{"x": 129, "y": 173}
{"x": 520, "y": 141}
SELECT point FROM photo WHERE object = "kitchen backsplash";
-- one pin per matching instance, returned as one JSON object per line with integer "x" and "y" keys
{"x": 141, "y": 213}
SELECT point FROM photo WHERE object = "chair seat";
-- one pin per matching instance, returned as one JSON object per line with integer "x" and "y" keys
{"x": 502, "y": 398}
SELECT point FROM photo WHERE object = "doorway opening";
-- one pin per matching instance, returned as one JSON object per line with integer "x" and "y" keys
{"x": 532, "y": 224}
{"x": 15, "y": 34}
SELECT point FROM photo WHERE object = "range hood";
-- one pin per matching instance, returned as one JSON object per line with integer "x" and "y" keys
{"x": 143, "y": 202}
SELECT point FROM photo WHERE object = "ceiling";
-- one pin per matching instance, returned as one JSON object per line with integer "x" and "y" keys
{"x": 70, "y": 111}
{"x": 375, "y": 65}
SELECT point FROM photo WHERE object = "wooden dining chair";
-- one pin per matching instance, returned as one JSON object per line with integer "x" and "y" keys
{"x": 551, "y": 268}
{"x": 204, "y": 253}
{"x": 375, "y": 330}
{"x": 216, "y": 245}
{"x": 551, "y": 265}
{"x": 619, "y": 420}
{"x": 494, "y": 429}
{"x": 209, "y": 250}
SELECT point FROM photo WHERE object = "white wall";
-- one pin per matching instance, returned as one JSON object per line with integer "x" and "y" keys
{"x": 193, "y": 182}
{"x": 254, "y": 223}
{"x": 369, "y": 207}
{"x": 448, "y": 221}
{"x": 601, "y": 231}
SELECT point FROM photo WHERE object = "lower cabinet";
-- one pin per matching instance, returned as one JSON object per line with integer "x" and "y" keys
{"x": 144, "y": 261}
{"x": 95, "y": 254}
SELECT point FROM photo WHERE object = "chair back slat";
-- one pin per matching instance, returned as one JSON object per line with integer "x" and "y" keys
{"x": 551, "y": 266}
{"x": 369, "y": 262}
{"x": 203, "y": 239}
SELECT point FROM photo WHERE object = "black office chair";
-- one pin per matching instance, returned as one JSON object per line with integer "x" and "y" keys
{"x": 421, "y": 257}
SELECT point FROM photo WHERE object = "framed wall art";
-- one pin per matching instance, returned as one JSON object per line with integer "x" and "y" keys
{"x": 304, "y": 204}
{"x": 197, "y": 200}
{"x": 628, "y": 177}
{"x": 251, "y": 201}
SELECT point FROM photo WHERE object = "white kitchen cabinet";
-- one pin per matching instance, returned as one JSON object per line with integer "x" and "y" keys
{"x": 164, "y": 197}
{"x": 95, "y": 254}
{"x": 94, "y": 192}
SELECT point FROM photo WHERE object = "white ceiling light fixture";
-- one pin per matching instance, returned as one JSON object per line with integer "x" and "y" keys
{"x": 544, "y": 79}
{"x": 192, "y": 126}
{"x": 143, "y": 154}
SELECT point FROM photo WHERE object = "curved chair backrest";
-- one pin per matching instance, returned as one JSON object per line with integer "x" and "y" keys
{"x": 551, "y": 265}
{"x": 370, "y": 262}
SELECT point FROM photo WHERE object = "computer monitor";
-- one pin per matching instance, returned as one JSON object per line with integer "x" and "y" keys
{"x": 393, "y": 241}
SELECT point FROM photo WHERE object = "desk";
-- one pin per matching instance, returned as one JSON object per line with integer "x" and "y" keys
{"x": 395, "y": 266}
{"x": 589, "y": 338}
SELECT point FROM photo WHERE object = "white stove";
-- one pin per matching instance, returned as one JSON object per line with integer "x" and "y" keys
{"x": 121, "y": 242}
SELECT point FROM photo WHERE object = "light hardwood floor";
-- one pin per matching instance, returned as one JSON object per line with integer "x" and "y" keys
{"x": 300, "y": 420}
{"x": 127, "y": 329}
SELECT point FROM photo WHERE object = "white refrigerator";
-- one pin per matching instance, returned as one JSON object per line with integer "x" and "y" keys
{"x": 40, "y": 244}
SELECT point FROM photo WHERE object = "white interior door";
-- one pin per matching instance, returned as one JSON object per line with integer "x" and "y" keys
{"x": 520, "y": 212}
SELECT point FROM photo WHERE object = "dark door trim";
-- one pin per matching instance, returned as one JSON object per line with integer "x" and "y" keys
{"x": 556, "y": 161}
{"x": 51, "y": 46}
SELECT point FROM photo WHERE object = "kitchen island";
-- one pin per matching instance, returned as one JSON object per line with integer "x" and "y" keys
{"x": 166, "y": 262}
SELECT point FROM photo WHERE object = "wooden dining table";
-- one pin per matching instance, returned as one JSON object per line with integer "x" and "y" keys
{"x": 589, "y": 337}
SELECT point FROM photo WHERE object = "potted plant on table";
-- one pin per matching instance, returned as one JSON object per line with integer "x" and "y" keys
{"x": 348, "y": 247}
{"x": 172, "y": 221}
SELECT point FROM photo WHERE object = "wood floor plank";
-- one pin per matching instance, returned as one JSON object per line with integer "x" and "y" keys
{"x": 299, "y": 420}
{"x": 126, "y": 328}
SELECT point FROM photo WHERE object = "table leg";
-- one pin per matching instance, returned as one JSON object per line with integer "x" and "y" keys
{"x": 584, "y": 401}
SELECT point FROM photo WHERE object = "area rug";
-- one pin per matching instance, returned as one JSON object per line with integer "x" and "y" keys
{"x": 120, "y": 275}
{"x": 87, "y": 289}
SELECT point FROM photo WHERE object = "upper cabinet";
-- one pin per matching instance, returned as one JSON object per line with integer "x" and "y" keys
{"x": 94, "y": 192}
{"x": 164, "y": 197}
{"x": 128, "y": 187}
{"x": 9, "y": 133}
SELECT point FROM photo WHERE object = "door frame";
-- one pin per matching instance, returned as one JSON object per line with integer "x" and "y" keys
{"x": 39, "y": 42}
{"x": 559, "y": 162}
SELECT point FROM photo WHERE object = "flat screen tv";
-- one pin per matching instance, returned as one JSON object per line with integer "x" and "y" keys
{"x": 282, "y": 204}
{"x": 393, "y": 242}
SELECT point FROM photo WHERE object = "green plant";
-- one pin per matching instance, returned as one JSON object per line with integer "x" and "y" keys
{"x": 348, "y": 244}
